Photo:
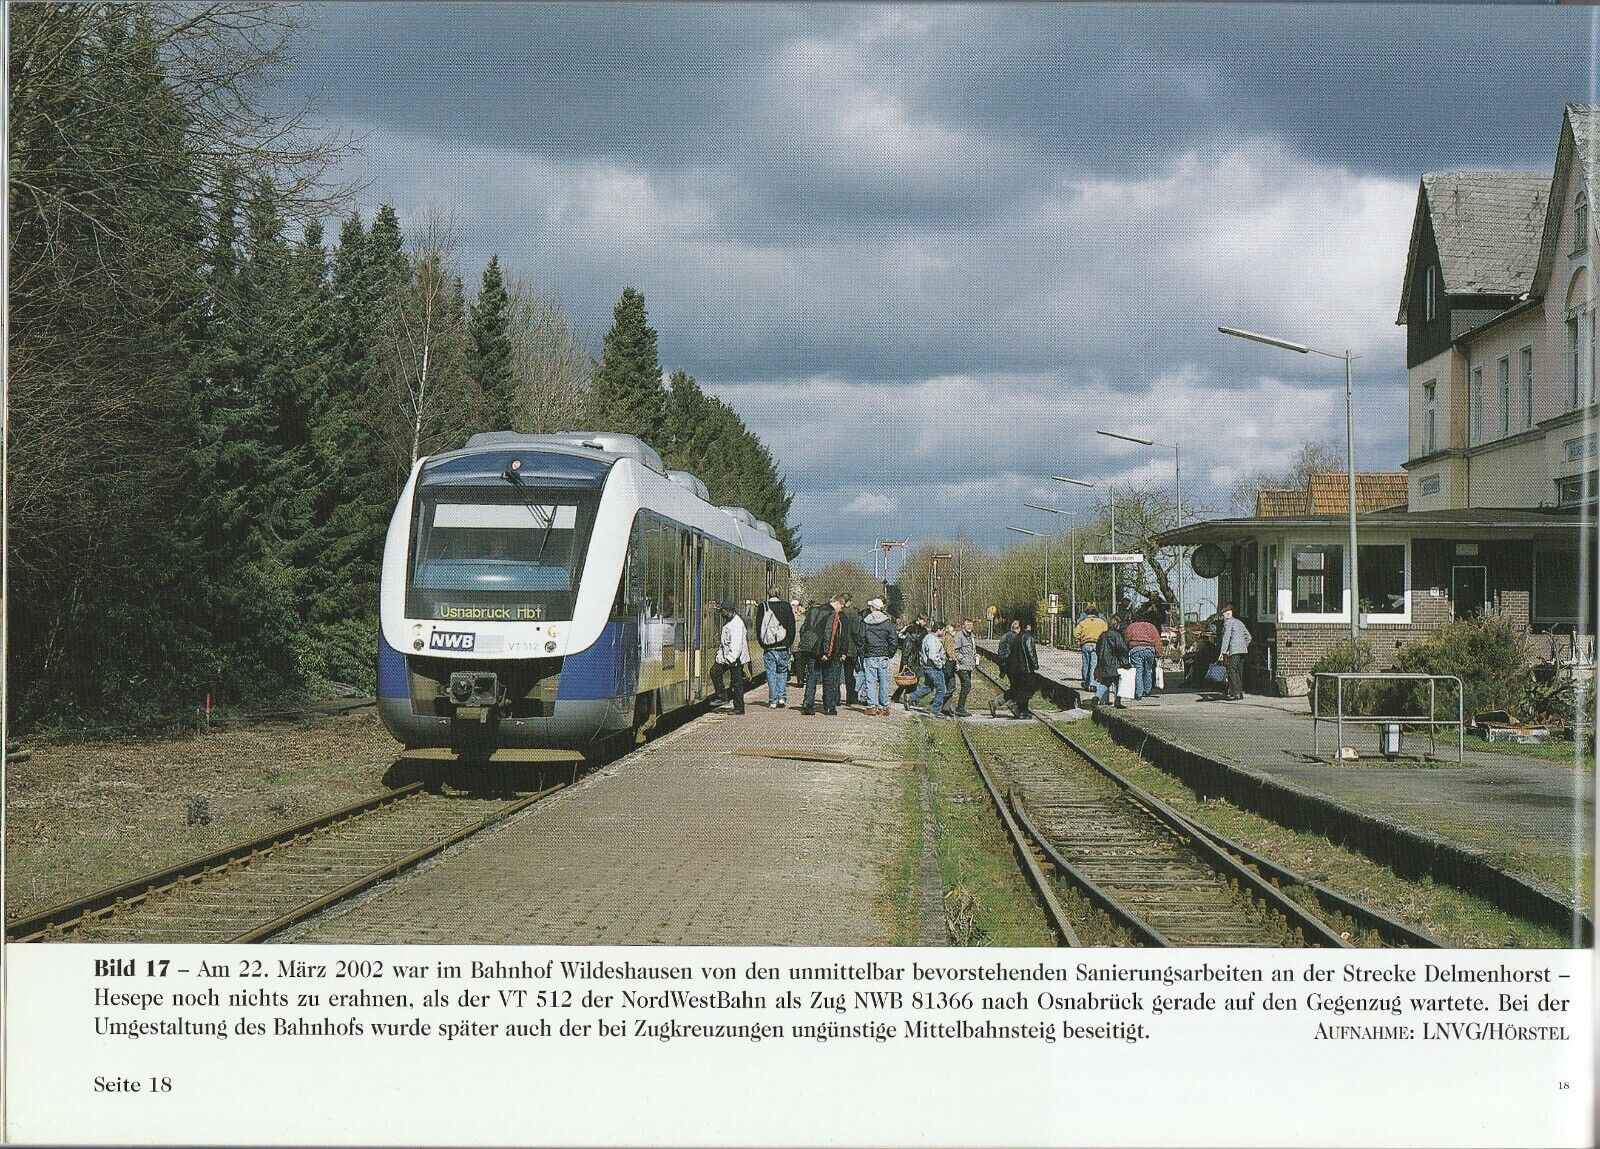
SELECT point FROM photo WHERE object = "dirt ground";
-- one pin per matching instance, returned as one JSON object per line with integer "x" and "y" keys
{"x": 84, "y": 816}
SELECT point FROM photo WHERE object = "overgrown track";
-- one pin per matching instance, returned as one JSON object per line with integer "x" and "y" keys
{"x": 250, "y": 891}
{"x": 1160, "y": 882}
{"x": 1261, "y": 876}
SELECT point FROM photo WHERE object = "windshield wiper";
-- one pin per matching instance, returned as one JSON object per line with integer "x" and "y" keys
{"x": 514, "y": 477}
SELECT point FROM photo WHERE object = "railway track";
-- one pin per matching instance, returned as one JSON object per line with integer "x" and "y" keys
{"x": 248, "y": 892}
{"x": 1161, "y": 877}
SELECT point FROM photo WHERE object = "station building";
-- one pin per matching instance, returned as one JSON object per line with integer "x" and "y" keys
{"x": 1493, "y": 510}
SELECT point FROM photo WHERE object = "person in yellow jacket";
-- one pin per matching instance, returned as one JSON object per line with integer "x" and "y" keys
{"x": 1086, "y": 634}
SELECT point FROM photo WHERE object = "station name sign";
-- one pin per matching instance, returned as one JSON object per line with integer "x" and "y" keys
{"x": 1114, "y": 558}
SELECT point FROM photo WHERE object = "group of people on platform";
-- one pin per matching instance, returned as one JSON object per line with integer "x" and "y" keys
{"x": 1108, "y": 647}
{"x": 848, "y": 653}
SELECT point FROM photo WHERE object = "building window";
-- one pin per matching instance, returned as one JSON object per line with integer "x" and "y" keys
{"x": 1575, "y": 361}
{"x": 1555, "y": 586}
{"x": 1576, "y": 490}
{"x": 1504, "y": 367}
{"x": 1430, "y": 293}
{"x": 1525, "y": 377}
{"x": 1475, "y": 413}
{"x": 1318, "y": 579}
{"x": 1581, "y": 448}
{"x": 1269, "y": 583}
{"x": 1383, "y": 579}
{"x": 1429, "y": 485}
{"x": 1580, "y": 220}
{"x": 1591, "y": 356}
{"x": 1430, "y": 427}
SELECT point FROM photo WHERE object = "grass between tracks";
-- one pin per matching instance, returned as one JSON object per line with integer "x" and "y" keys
{"x": 982, "y": 883}
{"x": 1456, "y": 918}
{"x": 906, "y": 891}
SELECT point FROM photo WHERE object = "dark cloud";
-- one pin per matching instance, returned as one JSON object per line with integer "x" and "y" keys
{"x": 924, "y": 250}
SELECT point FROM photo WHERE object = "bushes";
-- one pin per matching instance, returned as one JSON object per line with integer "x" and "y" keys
{"x": 1489, "y": 655}
{"x": 1343, "y": 658}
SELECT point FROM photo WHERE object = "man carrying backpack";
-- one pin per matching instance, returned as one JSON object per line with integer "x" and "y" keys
{"x": 776, "y": 633}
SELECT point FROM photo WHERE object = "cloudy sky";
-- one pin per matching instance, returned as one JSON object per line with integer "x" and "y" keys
{"x": 925, "y": 251}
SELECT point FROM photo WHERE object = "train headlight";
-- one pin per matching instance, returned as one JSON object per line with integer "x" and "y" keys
{"x": 550, "y": 647}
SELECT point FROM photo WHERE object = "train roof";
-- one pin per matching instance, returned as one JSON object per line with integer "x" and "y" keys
{"x": 587, "y": 456}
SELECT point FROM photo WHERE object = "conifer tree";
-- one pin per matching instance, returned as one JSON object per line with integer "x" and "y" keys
{"x": 491, "y": 347}
{"x": 628, "y": 395}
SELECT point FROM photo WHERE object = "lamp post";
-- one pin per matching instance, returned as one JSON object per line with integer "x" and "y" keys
{"x": 1177, "y": 496}
{"x": 1090, "y": 486}
{"x": 935, "y": 601}
{"x": 1352, "y": 577}
{"x": 1046, "y": 538}
{"x": 1074, "y": 601}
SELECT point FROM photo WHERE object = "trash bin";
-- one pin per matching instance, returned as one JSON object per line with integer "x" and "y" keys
{"x": 1389, "y": 740}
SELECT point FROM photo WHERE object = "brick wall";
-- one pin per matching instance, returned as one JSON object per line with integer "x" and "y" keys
{"x": 1301, "y": 644}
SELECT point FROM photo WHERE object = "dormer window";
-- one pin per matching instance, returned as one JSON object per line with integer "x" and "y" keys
{"x": 1430, "y": 293}
{"x": 1580, "y": 222}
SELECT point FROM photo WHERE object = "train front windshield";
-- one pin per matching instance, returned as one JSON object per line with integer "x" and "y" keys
{"x": 503, "y": 554}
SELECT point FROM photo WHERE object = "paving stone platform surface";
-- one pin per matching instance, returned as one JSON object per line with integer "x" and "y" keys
{"x": 1492, "y": 802}
{"x": 685, "y": 842}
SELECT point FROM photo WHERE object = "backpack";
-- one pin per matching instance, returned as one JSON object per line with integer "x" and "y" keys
{"x": 772, "y": 631}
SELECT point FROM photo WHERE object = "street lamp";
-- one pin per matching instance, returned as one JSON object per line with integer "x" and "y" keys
{"x": 1177, "y": 495}
{"x": 1352, "y": 576}
{"x": 1046, "y": 538}
{"x": 1113, "y": 568}
{"x": 1074, "y": 607}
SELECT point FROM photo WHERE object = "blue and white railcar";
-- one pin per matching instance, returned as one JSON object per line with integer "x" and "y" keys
{"x": 549, "y": 592}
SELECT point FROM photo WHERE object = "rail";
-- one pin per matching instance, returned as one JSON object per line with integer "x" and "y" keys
{"x": 1432, "y": 721}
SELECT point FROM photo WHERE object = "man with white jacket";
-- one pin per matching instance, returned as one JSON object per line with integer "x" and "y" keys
{"x": 933, "y": 681}
{"x": 727, "y": 668}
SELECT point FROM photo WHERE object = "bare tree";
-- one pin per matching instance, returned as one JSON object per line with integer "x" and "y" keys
{"x": 550, "y": 368}
{"x": 1309, "y": 458}
{"x": 422, "y": 338}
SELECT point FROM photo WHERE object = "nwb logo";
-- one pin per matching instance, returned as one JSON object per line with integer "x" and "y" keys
{"x": 452, "y": 640}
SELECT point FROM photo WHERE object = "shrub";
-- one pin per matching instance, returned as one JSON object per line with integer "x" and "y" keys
{"x": 1562, "y": 701}
{"x": 1489, "y": 655}
{"x": 1343, "y": 658}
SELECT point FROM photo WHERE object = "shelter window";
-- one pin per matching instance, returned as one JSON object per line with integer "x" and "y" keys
{"x": 1318, "y": 579}
{"x": 1269, "y": 582}
{"x": 1383, "y": 579}
{"x": 1555, "y": 586}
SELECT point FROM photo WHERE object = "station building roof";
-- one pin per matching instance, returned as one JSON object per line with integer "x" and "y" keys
{"x": 1328, "y": 493}
{"x": 1394, "y": 521}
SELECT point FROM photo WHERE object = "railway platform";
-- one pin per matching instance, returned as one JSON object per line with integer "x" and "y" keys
{"x": 1494, "y": 805}
{"x": 771, "y": 828}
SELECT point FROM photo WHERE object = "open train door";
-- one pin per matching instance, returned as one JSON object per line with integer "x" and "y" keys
{"x": 694, "y": 555}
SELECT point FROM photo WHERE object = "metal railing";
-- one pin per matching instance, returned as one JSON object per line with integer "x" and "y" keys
{"x": 1431, "y": 720}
